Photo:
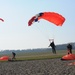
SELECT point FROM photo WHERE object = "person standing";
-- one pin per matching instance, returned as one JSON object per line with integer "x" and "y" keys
{"x": 13, "y": 55}
{"x": 69, "y": 47}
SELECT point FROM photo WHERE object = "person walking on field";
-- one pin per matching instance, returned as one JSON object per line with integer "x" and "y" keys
{"x": 53, "y": 47}
{"x": 69, "y": 47}
{"x": 13, "y": 55}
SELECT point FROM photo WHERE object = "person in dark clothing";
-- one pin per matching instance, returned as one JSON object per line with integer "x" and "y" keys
{"x": 13, "y": 55}
{"x": 69, "y": 47}
{"x": 53, "y": 47}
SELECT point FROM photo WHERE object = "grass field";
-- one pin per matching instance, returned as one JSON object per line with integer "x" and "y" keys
{"x": 41, "y": 55}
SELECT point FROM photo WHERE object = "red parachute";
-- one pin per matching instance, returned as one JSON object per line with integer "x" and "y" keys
{"x": 52, "y": 17}
{"x": 68, "y": 57}
{"x": 4, "y": 58}
{"x": 1, "y": 19}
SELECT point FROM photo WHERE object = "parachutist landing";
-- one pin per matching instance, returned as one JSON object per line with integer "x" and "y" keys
{"x": 53, "y": 47}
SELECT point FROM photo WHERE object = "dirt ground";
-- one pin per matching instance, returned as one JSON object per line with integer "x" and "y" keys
{"x": 37, "y": 67}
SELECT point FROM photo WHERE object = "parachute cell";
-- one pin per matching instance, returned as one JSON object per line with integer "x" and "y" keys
{"x": 31, "y": 20}
{"x": 52, "y": 17}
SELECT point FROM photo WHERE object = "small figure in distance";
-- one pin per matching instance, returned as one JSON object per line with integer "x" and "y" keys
{"x": 13, "y": 55}
{"x": 69, "y": 48}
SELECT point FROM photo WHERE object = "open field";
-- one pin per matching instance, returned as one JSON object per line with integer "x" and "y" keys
{"x": 27, "y": 64}
{"x": 35, "y": 55}
{"x": 41, "y": 55}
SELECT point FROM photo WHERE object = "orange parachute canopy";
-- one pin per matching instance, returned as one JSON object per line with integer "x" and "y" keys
{"x": 68, "y": 57}
{"x": 52, "y": 17}
{"x": 4, "y": 58}
{"x": 1, "y": 19}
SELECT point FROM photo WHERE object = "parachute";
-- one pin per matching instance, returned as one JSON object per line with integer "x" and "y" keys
{"x": 52, "y": 17}
{"x": 4, "y": 58}
{"x": 68, "y": 57}
{"x": 1, "y": 19}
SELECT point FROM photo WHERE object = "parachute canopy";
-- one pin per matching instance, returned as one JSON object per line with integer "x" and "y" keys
{"x": 52, "y": 17}
{"x": 1, "y": 19}
{"x": 4, "y": 58}
{"x": 68, "y": 57}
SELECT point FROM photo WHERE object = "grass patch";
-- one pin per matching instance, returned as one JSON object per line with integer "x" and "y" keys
{"x": 40, "y": 55}
{"x": 38, "y": 58}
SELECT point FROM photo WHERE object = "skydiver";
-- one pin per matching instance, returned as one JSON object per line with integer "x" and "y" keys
{"x": 53, "y": 47}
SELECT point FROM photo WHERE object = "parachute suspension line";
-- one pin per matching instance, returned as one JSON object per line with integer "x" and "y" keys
{"x": 45, "y": 35}
{"x": 53, "y": 17}
{"x": 53, "y": 35}
{"x": 52, "y": 38}
{"x": 54, "y": 31}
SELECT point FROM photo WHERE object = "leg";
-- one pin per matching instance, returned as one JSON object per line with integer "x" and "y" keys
{"x": 71, "y": 51}
{"x": 54, "y": 51}
{"x": 68, "y": 51}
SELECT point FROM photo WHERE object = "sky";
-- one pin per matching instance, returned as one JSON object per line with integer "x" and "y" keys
{"x": 16, "y": 34}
